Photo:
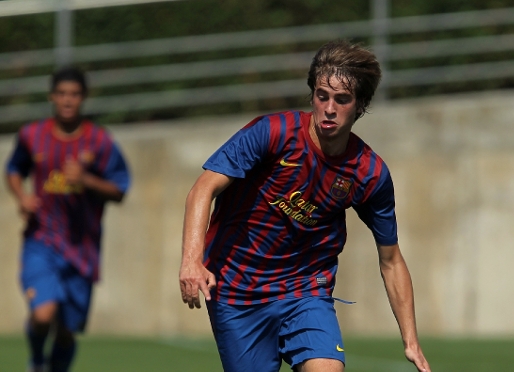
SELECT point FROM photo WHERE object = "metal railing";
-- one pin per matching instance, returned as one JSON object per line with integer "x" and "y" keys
{"x": 201, "y": 69}
{"x": 19, "y": 7}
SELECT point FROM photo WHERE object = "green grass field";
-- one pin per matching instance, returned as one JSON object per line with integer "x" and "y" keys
{"x": 363, "y": 355}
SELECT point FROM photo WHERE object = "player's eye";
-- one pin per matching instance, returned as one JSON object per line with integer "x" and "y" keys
{"x": 343, "y": 100}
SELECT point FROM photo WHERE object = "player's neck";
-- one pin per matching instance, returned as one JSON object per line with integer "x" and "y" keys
{"x": 330, "y": 147}
{"x": 68, "y": 129}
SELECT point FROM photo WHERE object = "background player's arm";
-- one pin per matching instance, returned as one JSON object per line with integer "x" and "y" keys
{"x": 27, "y": 203}
{"x": 75, "y": 174}
{"x": 398, "y": 285}
{"x": 193, "y": 275}
{"x": 18, "y": 168}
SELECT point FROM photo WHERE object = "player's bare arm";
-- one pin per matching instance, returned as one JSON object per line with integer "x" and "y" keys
{"x": 28, "y": 203}
{"x": 75, "y": 174}
{"x": 194, "y": 277}
{"x": 398, "y": 285}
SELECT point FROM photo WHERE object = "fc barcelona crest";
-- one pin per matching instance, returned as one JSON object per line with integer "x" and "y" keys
{"x": 340, "y": 188}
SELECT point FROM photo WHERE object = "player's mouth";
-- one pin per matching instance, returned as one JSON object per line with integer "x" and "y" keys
{"x": 328, "y": 125}
{"x": 67, "y": 110}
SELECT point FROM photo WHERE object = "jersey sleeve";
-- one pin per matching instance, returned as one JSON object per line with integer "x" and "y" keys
{"x": 378, "y": 211}
{"x": 242, "y": 151}
{"x": 116, "y": 170}
{"x": 20, "y": 161}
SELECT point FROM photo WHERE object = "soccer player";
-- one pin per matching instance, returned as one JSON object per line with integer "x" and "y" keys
{"x": 75, "y": 168}
{"x": 266, "y": 263}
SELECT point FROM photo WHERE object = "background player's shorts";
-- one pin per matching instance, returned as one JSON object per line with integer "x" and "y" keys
{"x": 258, "y": 337}
{"x": 46, "y": 276}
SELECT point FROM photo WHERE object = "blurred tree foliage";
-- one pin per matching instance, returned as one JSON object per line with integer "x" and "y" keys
{"x": 193, "y": 17}
{"x": 198, "y": 17}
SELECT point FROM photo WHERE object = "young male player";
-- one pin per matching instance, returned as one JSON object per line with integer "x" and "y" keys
{"x": 76, "y": 168}
{"x": 282, "y": 185}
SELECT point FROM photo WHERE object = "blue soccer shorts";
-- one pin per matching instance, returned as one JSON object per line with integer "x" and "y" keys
{"x": 47, "y": 277}
{"x": 258, "y": 337}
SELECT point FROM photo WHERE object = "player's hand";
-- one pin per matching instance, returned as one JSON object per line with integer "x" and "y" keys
{"x": 73, "y": 171}
{"x": 415, "y": 355}
{"x": 194, "y": 277}
{"x": 29, "y": 204}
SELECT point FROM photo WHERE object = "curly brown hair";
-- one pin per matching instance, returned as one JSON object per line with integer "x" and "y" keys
{"x": 353, "y": 65}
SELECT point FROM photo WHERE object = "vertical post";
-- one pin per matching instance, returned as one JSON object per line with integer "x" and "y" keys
{"x": 63, "y": 33}
{"x": 380, "y": 21}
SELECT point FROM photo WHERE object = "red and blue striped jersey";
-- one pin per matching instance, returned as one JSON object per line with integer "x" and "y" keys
{"x": 277, "y": 230}
{"x": 69, "y": 218}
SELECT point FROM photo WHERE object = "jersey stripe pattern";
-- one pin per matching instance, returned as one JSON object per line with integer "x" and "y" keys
{"x": 277, "y": 230}
{"x": 69, "y": 218}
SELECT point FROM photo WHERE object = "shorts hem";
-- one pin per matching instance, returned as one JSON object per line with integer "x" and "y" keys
{"x": 301, "y": 359}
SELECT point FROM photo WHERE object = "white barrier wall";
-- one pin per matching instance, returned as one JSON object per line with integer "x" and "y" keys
{"x": 452, "y": 161}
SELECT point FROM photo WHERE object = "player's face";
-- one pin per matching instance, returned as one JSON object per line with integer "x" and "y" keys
{"x": 334, "y": 111}
{"x": 67, "y": 98}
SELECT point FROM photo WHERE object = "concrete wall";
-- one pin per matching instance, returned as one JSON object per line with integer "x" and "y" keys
{"x": 452, "y": 161}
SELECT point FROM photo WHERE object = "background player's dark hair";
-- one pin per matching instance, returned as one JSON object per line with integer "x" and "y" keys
{"x": 343, "y": 59}
{"x": 69, "y": 73}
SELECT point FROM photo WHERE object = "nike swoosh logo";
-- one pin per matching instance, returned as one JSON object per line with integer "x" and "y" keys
{"x": 284, "y": 163}
{"x": 338, "y": 348}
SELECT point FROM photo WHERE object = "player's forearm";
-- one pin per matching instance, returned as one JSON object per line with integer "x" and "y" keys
{"x": 15, "y": 185}
{"x": 398, "y": 285}
{"x": 198, "y": 210}
{"x": 105, "y": 189}
{"x": 196, "y": 220}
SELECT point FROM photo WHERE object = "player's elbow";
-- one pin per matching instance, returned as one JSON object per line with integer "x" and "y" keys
{"x": 118, "y": 197}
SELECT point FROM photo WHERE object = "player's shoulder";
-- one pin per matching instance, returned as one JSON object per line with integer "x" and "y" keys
{"x": 88, "y": 124}
{"x": 37, "y": 126}
{"x": 362, "y": 150}
{"x": 92, "y": 129}
{"x": 289, "y": 117}
{"x": 359, "y": 145}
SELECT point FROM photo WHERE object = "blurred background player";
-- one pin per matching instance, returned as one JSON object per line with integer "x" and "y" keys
{"x": 282, "y": 185}
{"x": 76, "y": 168}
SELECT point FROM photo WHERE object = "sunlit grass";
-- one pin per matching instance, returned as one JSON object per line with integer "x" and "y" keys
{"x": 131, "y": 354}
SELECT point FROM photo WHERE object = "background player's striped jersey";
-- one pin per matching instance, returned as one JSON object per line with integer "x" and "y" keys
{"x": 70, "y": 216}
{"x": 277, "y": 230}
